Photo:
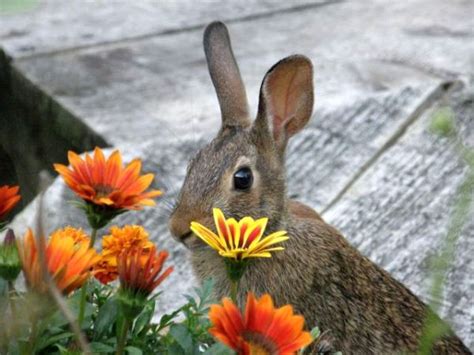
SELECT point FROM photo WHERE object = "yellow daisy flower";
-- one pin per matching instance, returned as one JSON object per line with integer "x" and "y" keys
{"x": 239, "y": 240}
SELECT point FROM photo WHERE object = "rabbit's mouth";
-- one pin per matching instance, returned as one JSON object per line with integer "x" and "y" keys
{"x": 190, "y": 241}
{"x": 186, "y": 237}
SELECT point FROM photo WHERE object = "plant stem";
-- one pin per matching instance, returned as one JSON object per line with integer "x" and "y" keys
{"x": 234, "y": 287}
{"x": 93, "y": 237}
{"x": 33, "y": 335}
{"x": 10, "y": 296}
{"x": 82, "y": 305}
{"x": 122, "y": 340}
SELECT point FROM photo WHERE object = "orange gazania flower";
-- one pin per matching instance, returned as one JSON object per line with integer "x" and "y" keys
{"x": 263, "y": 330}
{"x": 68, "y": 262}
{"x": 118, "y": 241}
{"x": 140, "y": 271}
{"x": 77, "y": 234}
{"x": 239, "y": 240}
{"x": 105, "y": 182}
{"x": 9, "y": 197}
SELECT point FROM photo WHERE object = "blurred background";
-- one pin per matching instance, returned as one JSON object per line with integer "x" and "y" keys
{"x": 132, "y": 75}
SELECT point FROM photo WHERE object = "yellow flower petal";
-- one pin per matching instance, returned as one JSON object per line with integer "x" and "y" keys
{"x": 239, "y": 239}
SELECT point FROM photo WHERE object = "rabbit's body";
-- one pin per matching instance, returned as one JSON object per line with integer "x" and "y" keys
{"x": 362, "y": 307}
{"x": 328, "y": 281}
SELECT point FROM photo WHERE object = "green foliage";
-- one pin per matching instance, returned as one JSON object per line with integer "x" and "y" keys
{"x": 184, "y": 331}
{"x": 14, "y": 6}
{"x": 444, "y": 124}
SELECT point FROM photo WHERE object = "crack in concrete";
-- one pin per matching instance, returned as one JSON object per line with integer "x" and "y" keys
{"x": 172, "y": 31}
{"x": 437, "y": 94}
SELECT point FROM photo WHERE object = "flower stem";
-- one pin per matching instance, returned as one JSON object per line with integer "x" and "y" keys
{"x": 234, "y": 287}
{"x": 11, "y": 299}
{"x": 82, "y": 305}
{"x": 33, "y": 335}
{"x": 122, "y": 340}
{"x": 93, "y": 237}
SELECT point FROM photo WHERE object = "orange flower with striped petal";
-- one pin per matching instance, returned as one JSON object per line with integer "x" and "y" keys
{"x": 105, "y": 182}
{"x": 68, "y": 262}
{"x": 9, "y": 197}
{"x": 262, "y": 330}
{"x": 118, "y": 241}
{"x": 239, "y": 240}
{"x": 140, "y": 271}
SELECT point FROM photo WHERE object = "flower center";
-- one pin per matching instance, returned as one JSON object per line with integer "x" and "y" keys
{"x": 259, "y": 344}
{"x": 103, "y": 190}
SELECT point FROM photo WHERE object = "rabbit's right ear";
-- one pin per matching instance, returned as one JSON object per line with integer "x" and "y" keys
{"x": 225, "y": 76}
{"x": 286, "y": 101}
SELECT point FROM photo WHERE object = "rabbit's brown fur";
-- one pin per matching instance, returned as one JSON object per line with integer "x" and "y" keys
{"x": 327, "y": 280}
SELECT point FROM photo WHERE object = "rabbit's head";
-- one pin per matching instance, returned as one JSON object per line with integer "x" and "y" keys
{"x": 242, "y": 170}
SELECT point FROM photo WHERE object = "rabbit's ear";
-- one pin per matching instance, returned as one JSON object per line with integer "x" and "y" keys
{"x": 286, "y": 99}
{"x": 225, "y": 76}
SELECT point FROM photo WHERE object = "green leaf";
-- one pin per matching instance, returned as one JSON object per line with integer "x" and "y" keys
{"x": 97, "y": 347}
{"x": 219, "y": 349}
{"x": 57, "y": 320}
{"x": 182, "y": 336}
{"x": 315, "y": 333}
{"x": 166, "y": 319}
{"x": 47, "y": 341}
{"x": 133, "y": 350}
{"x": 144, "y": 318}
{"x": 106, "y": 318}
{"x": 64, "y": 351}
{"x": 75, "y": 300}
{"x": 175, "y": 349}
{"x": 443, "y": 122}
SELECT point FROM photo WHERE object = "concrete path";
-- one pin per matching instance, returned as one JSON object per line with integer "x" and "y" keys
{"x": 134, "y": 77}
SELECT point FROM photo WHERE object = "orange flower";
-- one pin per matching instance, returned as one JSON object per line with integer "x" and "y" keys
{"x": 8, "y": 199}
{"x": 263, "y": 330}
{"x": 68, "y": 262}
{"x": 105, "y": 182}
{"x": 139, "y": 270}
{"x": 119, "y": 240}
{"x": 77, "y": 234}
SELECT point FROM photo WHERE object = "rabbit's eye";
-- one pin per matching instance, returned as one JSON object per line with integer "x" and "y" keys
{"x": 243, "y": 179}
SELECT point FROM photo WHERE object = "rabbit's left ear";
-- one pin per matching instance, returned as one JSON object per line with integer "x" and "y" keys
{"x": 225, "y": 76}
{"x": 286, "y": 100}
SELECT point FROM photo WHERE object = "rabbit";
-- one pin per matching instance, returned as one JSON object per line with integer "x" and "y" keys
{"x": 329, "y": 282}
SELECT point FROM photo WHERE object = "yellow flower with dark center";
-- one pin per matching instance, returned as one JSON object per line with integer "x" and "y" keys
{"x": 105, "y": 182}
{"x": 118, "y": 241}
{"x": 68, "y": 262}
{"x": 239, "y": 240}
{"x": 261, "y": 330}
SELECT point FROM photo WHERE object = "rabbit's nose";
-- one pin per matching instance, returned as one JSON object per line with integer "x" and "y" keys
{"x": 180, "y": 221}
{"x": 179, "y": 227}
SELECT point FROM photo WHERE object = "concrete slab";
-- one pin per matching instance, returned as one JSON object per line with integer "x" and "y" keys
{"x": 397, "y": 213}
{"x": 130, "y": 91}
{"x": 45, "y": 26}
